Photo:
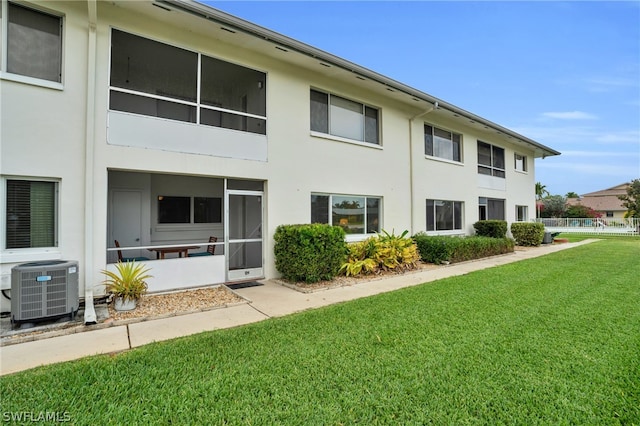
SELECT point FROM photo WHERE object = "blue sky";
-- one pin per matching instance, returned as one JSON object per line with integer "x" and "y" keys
{"x": 566, "y": 74}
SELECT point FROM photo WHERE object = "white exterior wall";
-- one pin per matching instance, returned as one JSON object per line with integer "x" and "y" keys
{"x": 43, "y": 135}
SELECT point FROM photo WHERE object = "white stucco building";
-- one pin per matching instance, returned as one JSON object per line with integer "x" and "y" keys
{"x": 162, "y": 123}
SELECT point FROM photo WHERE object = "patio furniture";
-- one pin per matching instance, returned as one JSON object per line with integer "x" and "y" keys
{"x": 211, "y": 249}
{"x": 181, "y": 250}
{"x": 128, "y": 259}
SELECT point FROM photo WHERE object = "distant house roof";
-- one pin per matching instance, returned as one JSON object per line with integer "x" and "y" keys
{"x": 603, "y": 200}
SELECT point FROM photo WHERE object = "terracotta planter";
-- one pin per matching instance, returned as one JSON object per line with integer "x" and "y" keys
{"x": 121, "y": 304}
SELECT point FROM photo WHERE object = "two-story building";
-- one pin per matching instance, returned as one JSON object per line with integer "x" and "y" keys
{"x": 160, "y": 124}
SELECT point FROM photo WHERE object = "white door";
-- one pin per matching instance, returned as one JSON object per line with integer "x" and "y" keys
{"x": 126, "y": 222}
{"x": 244, "y": 239}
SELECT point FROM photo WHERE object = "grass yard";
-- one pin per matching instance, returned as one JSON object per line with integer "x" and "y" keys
{"x": 551, "y": 340}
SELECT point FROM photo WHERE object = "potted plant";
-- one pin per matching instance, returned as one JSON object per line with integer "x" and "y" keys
{"x": 127, "y": 284}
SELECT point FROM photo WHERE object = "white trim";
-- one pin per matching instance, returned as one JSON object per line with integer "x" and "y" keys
{"x": 443, "y": 160}
{"x": 345, "y": 140}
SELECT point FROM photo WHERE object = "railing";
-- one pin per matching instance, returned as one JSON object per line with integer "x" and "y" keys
{"x": 592, "y": 226}
{"x": 126, "y": 251}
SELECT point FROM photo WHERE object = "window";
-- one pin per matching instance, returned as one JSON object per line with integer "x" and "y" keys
{"x": 490, "y": 160}
{"x": 159, "y": 80}
{"x": 33, "y": 43}
{"x": 444, "y": 215}
{"x": 178, "y": 209}
{"x": 490, "y": 209}
{"x": 520, "y": 162}
{"x": 609, "y": 214}
{"x": 31, "y": 214}
{"x": 355, "y": 214}
{"x": 441, "y": 143}
{"x": 342, "y": 117}
{"x": 522, "y": 214}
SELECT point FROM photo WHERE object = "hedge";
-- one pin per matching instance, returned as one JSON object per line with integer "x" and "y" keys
{"x": 527, "y": 233}
{"x": 491, "y": 228}
{"x": 309, "y": 253}
{"x": 438, "y": 249}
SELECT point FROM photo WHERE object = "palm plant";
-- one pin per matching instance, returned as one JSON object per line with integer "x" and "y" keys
{"x": 541, "y": 192}
{"x": 128, "y": 282}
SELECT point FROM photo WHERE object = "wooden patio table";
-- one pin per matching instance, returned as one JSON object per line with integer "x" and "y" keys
{"x": 182, "y": 251}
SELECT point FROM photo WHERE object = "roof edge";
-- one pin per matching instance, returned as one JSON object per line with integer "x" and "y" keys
{"x": 216, "y": 15}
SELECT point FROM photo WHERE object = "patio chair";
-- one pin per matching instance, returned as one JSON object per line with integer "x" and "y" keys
{"x": 211, "y": 249}
{"x": 128, "y": 259}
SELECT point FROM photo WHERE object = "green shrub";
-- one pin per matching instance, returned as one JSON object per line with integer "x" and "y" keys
{"x": 491, "y": 228}
{"x": 527, "y": 233}
{"x": 437, "y": 249}
{"x": 309, "y": 253}
{"x": 434, "y": 249}
{"x": 382, "y": 252}
{"x": 475, "y": 247}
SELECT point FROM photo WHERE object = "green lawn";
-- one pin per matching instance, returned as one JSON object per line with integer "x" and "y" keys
{"x": 552, "y": 340}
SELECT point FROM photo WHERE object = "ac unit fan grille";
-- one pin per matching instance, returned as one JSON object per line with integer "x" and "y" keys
{"x": 44, "y": 290}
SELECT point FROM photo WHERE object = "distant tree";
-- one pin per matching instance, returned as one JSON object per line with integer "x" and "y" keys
{"x": 554, "y": 206}
{"x": 541, "y": 192}
{"x": 572, "y": 194}
{"x": 632, "y": 199}
{"x": 580, "y": 211}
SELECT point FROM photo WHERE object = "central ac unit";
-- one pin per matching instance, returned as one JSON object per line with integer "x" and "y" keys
{"x": 44, "y": 290}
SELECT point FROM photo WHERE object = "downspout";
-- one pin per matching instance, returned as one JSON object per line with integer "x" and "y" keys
{"x": 411, "y": 160}
{"x": 89, "y": 310}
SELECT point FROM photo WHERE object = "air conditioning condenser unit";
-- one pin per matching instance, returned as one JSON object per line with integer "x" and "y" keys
{"x": 44, "y": 290}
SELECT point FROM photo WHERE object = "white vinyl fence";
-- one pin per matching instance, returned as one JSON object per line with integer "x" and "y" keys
{"x": 589, "y": 226}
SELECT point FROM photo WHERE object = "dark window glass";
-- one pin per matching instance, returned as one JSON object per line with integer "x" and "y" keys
{"x": 207, "y": 210}
{"x": 444, "y": 215}
{"x": 246, "y": 185}
{"x": 319, "y": 209}
{"x": 233, "y": 121}
{"x": 152, "y": 67}
{"x": 495, "y": 209}
{"x": 484, "y": 154}
{"x": 233, "y": 87}
{"x": 153, "y": 107}
{"x": 34, "y": 43}
{"x": 319, "y": 112}
{"x": 174, "y": 209}
{"x": 373, "y": 215}
{"x": 498, "y": 157}
{"x": 370, "y": 125}
{"x": 428, "y": 140}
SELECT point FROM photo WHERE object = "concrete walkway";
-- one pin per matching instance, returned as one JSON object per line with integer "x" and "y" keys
{"x": 266, "y": 301}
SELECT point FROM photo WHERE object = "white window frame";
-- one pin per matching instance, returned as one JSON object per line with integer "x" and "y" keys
{"x": 436, "y": 231}
{"x": 522, "y": 213}
{"x": 495, "y": 171}
{"x": 451, "y": 141}
{"x": 359, "y": 236}
{"x": 10, "y": 255}
{"x": 4, "y": 29}
{"x": 520, "y": 163}
{"x": 483, "y": 204}
{"x": 331, "y": 135}
{"x": 198, "y": 105}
